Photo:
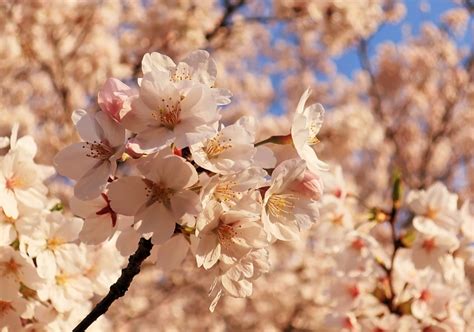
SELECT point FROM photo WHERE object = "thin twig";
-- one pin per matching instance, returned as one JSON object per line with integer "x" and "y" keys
{"x": 230, "y": 9}
{"x": 120, "y": 287}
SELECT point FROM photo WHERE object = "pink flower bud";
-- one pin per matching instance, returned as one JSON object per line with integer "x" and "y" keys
{"x": 112, "y": 96}
{"x": 311, "y": 185}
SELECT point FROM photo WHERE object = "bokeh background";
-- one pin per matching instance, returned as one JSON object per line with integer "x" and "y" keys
{"x": 396, "y": 79}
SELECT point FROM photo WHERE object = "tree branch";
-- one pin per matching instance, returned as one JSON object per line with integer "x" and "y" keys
{"x": 120, "y": 287}
{"x": 230, "y": 9}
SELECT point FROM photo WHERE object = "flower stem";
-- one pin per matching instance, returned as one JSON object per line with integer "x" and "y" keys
{"x": 120, "y": 287}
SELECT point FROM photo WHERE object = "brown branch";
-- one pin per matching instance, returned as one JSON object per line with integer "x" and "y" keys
{"x": 120, "y": 287}
{"x": 230, "y": 9}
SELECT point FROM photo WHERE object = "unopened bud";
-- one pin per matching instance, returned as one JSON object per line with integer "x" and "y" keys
{"x": 311, "y": 185}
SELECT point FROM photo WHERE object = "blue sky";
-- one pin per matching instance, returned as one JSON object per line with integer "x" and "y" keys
{"x": 348, "y": 62}
{"x": 413, "y": 20}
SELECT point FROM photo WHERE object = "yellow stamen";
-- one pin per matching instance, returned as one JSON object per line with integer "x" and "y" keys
{"x": 216, "y": 145}
{"x": 224, "y": 193}
{"x": 279, "y": 204}
{"x": 54, "y": 243}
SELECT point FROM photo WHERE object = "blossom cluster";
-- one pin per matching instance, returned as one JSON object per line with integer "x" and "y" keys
{"x": 371, "y": 279}
{"x": 157, "y": 163}
{"x": 47, "y": 278}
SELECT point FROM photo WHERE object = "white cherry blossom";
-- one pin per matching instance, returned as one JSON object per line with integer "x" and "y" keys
{"x": 229, "y": 235}
{"x": 198, "y": 66}
{"x": 94, "y": 160}
{"x": 285, "y": 211}
{"x": 306, "y": 124}
{"x": 159, "y": 199}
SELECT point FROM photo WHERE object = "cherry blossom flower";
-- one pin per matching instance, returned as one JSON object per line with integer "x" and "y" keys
{"x": 69, "y": 287}
{"x": 44, "y": 240}
{"x": 20, "y": 184}
{"x": 198, "y": 66}
{"x": 114, "y": 98}
{"x": 231, "y": 150}
{"x": 93, "y": 161}
{"x": 286, "y": 211}
{"x": 11, "y": 310}
{"x": 236, "y": 279}
{"x": 304, "y": 130}
{"x": 228, "y": 189}
{"x": 229, "y": 235}
{"x": 16, "y": 269}
{"x": 100, "y": 221}
{"x": 435, "y": 205}
{"x": 161, "y": 198}
{"x": 163, "y": 113}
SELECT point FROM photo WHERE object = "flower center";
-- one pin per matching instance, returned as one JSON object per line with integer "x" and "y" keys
{"x": 98, "y": 150}
{"x": 225, "y": 233}
{"x": 353, "y": 291}
{"x": 313, "y": 131}
{"x": 10, "y": 267}
{"x": 338, "y": 219}
{"x": 216, "y": 145}
{"x": 358, "y": 244}
{"x": 61, "y": 279}
{"x": 5, "y": 307}
{"x": 425, "y": 295}
{"x": 280, "y": 204}
{"x": 181, "y": 74}
{"x": 431, "y": 213}
{"x": 168, "y": 113}
{"x": 157, "y": 193}
{"x": 224, "y": 193}
{"x": 54, "y": 243}
{"x": 429, "y": 244}
{"x": 14, "y": 182}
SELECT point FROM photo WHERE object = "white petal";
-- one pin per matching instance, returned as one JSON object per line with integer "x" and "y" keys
{"x": 171, "y": 253}
{"x": 92, "y": 184}
{"x": 114, "y": 133}
{"x": 127, "y": 195}
{"x": 73, "y": 162}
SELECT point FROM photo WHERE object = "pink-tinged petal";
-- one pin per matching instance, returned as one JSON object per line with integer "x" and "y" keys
{"x": 208, "y": 251}
{"x": 127, "y": 241}
{"x": 88, "y": 128}
{"x": 114, "y": 133}
{"x": 171, "y": 253}
{"x": 86, "y": 209}
{"x": 139, "y": 117}
{"x": 264, "y": 157}
{"x": 154, "y": 138}
{"x": 93, "y": 183}
{"x": 241, "y": 288}
{"x": 157, "y": 219}
{"x": 187, "y": 133}
{"x": 96, "y": 229}
{"x": 204, "y": 67}
{"x": 73, "y": 162}
{"x": 281, "y": 231}
{"x": 70, "y": 229}
{"x": 111, "y": 97}
{"x": 170, "y": 167}
{"x": 127, "y": 195}
{"x": 157, "y": 62}
{"x": 185, "y": 202}
{"x": 8, "y": 203}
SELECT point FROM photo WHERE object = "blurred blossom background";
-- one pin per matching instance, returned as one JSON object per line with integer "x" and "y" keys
{"x": 396, "y": 79}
